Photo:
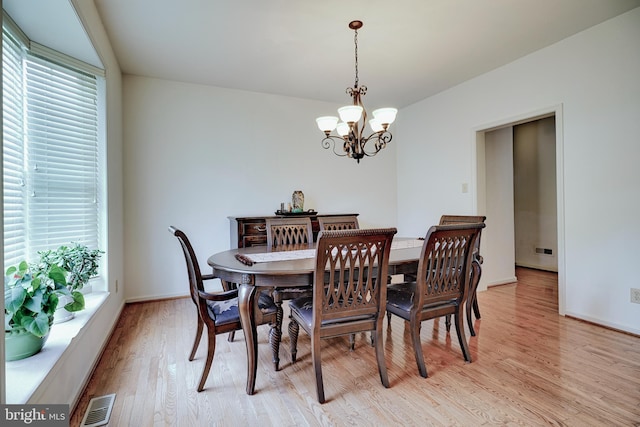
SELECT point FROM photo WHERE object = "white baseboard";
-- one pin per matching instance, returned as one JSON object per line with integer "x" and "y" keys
{"x": 505, "y": 281}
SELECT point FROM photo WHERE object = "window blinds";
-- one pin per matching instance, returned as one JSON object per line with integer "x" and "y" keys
{"x": 51, "y": 178}
{"x": 13, "y": 154}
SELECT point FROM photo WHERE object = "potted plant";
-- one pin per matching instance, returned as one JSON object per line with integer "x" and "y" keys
{"x": 81, "y": 263}
{"x": 30, "y": 300}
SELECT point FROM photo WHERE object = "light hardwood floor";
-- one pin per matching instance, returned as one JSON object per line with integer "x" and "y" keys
{"x": 530, "y": 367}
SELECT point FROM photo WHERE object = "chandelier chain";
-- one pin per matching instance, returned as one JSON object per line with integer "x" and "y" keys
{"x": 355, "y": 41}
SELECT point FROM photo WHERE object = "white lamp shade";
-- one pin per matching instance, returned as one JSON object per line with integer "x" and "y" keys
{"x": 376, "y": 126}
{"x": 342, "y": 129}
{"x": 385, "y": 116}
{"x": 327, "y": 123}
{"x": 350, "y": 113}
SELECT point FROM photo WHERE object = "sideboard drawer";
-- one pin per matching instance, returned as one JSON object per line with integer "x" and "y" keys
{"x": 250, "y": 228}
{"x": 255, "y": 240}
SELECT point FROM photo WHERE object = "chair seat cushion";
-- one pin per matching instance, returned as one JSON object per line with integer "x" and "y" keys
{"x": 303, "y": 306}
{"x": 400, "y": 298}
{"x": 223, "y": 312}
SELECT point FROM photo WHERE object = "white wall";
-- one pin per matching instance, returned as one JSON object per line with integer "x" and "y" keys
{"x": 594, "y": 75}
{"x": 195, "y": 155}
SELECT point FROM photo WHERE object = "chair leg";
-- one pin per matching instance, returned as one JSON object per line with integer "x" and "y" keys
{"x": 447, "y": 322}
{"x": 317, "y": 367}
{"x": 461, "y": 338}
{"x": 389, "y": 319}
{"x": 417, "y": 347}
{"x": 476, "y": 309}
{"x": 196, "y": 341}
{"x": 468, "y": 306}
{"x": 352, "y": 342}
{"x": 294, "y": 329}
{"x": 382, "y": 364}
{"x": 211, "y": 349}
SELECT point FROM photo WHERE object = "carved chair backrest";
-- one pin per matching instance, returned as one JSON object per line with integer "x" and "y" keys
{"x": 289, "y": 231}
{"x": 347, "y": 222}
{"x": 465, "y": 219}
{"x": 350, "y": 279}
{"x": 445, "y": 264}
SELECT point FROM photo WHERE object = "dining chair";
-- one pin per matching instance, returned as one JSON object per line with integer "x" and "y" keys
{"x": 441, "y": 286}
{"x": 217, "y": 311}
{"x": 349, "y": 293}
{"x": 472, "y": 301}
{"x": 286, "y": 234}
{"x": 343, "y": 222}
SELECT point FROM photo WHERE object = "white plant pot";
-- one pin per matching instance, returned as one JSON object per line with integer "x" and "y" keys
{"x": 62, "y": 314}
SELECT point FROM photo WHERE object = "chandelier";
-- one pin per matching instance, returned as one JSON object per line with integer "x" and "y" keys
{"x": 350, "y": 131}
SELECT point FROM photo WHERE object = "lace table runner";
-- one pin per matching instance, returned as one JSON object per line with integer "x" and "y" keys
{"x": 310, "y": 253}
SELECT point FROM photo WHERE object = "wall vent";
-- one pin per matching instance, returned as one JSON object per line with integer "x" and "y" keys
{"x": 544, "y": 251}
{"x": 98, "y": 411}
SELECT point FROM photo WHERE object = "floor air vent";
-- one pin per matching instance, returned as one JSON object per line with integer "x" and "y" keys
{"x": 98, "y": 411}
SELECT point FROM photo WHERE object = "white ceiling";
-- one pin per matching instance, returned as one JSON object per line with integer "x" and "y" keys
{"x": 408, "y": 49}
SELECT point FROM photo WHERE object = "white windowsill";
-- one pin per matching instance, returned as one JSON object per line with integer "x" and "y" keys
{"x": 24, "y": 376}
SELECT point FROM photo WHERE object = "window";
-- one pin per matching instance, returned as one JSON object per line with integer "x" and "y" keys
{"x": 53, "y": 175}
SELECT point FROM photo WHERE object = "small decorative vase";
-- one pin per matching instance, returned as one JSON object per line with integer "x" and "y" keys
{"x": 297, "y": 201}
{"x": 20, "y": 344}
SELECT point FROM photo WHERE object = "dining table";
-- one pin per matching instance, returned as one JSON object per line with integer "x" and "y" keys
{"x": 254, "y": 269}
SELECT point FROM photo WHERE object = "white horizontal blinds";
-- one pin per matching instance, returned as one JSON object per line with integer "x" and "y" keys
{"x": 62, "y": 156}
{"x": 13, "y": 159}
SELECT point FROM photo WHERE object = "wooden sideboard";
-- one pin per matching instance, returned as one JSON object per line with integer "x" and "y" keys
{"x": 252, "y": 230}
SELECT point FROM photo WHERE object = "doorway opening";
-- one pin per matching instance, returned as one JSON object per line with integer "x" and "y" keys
{"x": 495, "y": 182}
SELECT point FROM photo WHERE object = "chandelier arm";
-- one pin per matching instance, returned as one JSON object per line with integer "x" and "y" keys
{"x": 330, "y": 142}
{"x": 381, "y": 140}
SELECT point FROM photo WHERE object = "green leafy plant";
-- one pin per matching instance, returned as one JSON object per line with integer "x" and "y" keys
{"x": 31, "y": 297}
{"x": 81, "y": 263}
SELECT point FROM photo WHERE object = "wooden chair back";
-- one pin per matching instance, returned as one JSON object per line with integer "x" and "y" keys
{"x": 347, "y": 222}
{"x": 352, "y": 295}
{"x": 465, "y": 219}
{"x": 444, "y": 268}
{"x": 289, "y": 231}
{"x": 193, "y": 268}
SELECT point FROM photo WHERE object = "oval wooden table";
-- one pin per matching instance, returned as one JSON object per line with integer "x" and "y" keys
{"x": 285, "y": 273}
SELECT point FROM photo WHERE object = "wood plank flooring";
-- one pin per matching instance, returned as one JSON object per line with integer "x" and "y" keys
{"x": 530, "y": 367}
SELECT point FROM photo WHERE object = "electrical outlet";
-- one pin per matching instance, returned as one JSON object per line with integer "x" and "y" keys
{"x": 635, "y": 295}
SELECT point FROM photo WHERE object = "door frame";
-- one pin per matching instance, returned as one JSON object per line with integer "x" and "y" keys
{"x": 478, "y": 175}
